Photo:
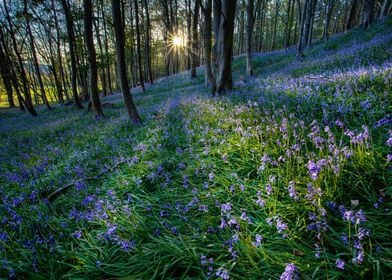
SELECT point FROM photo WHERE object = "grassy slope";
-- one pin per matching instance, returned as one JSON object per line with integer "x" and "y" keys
{"x": 162, "y": 214}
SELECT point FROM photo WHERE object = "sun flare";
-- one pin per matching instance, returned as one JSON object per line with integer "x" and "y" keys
{"x": 177, "y": 41}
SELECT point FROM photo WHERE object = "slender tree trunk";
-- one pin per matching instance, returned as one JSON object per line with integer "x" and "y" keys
{"x": 148, "y": 44}
{"x": 195, "y": 38}
{"x": 287, "y": 25}
{"x": 386, "y": 7}
{"x": 224, "y": 79}
{"x": 71, "y": 45}
{"x": 122, "y": 70}
{"x": 107, "y": 60}
{"x": 351, "y": 15}
{"x": 367, "y": 13}
{"x": 53, "y": 68}
{"x": 28, "y": 104}
{"x": 308, "y": 21}
{"x": 301, "y": 15}
{"x": 249, "y": 31}
{"x": 5, "y": 75}
{"x": 35, "y": 59}
{"x": 102, "y": 72}
{"x": 207, "y": 10}
{"x": 241, "y": 32}
{"x": 138, "y": 48}
{"x": 327, "y": 17}
{"x": 91, "y": 56}
{"x": 277, "y": 6}
{"x": 12, "y": 72}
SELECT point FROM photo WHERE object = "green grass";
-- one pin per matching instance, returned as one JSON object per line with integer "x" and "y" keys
{"x": 160, "y": 213}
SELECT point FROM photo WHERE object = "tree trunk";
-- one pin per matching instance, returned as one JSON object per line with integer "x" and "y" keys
{"x": 367, "y": 13}
{"x": 5, "y": 75}
{"x": 28, "y": 104}
{"x": 34, "y": 55}
{"x": 249, "y": 30}
{"x": 102, "y": 72}
{"x": 301, "y": 15}
{"x": 327, "y": 17}
{"x": 386, "y": 7}
{"x": 277, "y": 5}
{"x": 122, "y": 70}
{"x": 71, "y": 45}
{"x": 207, "y": 10}
{"x": 148, "y": 44}
{"x": 91, "y": 57}
{"x": 287, "y": 26}
{"x": 138, "y": 48}
{"x": 226, "y": 12}
{"x": 241, "y": 30}
{"x": 351, "y": 15}
{"x": 195, "y": 38}
{"x": 308, "y": 21}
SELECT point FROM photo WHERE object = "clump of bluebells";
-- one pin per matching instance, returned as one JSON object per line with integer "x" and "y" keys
{"x": 286, "y": 177}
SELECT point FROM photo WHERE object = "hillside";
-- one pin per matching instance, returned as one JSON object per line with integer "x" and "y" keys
{"x": 288, "y": 175}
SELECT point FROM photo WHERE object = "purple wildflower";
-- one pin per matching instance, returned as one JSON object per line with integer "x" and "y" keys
{"x": 359, "y": 258}
{"x": 280, "y": 225}
{"x": 223, "y": 274}
{"x": 314, "y": 169}
{"x": 258, "y": 240}
{"x": 226, "y": 207}
{"x": 292, "y": 191}
{"x": 77, "y": 234}
{"x": 340, "y": 263}
{"x": 268, "y": 188}
{"x": 290, "y": 273}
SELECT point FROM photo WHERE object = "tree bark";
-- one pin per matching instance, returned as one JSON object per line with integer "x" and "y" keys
{"x": 207, "y": 11}
{"x": 367, "y": 13}
{"x": 249, "y": 31}
{"x": 226, "y": 13}
{"x": 28, "y": 104}
{"x": 5, "y": 75}
{"x": 91, "y": 57}
{"x": 34, "y": 55}
{"x": 122, "y": 70}
{"x": 195, "y": 38}
{"x": 138, "y": 48}
{"x": 301, "y": 15}
{"x": 327, "y": 17}
{"x": 386, "y": 7}
{"x": 71, "y": 45}
{"x": 148, "y": 44}
{"x": 351, "y": 15}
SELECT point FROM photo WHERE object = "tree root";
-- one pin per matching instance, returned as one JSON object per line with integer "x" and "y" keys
{"x": 59, "y": 191}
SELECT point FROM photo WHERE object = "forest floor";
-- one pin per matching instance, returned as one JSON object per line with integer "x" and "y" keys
{"x": 289, "y": 175}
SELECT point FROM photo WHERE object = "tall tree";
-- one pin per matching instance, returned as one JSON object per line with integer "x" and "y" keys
{"x": 367, "y": 13}
{"x": 224, "y": 13}
{"x": 351, "y": 15}
{"x": 28, "y": 103}
{"x": 328, "y": 9}
{"x": 207, "y": 11}
{"x": 195, "y": 38}
{"x": 301, "y": 16}
{"x": 92, "y": 61}
{"x": 138, "y": 48}
{"x": 148, "y": 43}
{"x": 5, "y": 75}
{"x": 122, "y": 70}
{"x": 250, "y": 19}
{"x": 386, "y": 8}
{"x": 34, "y": 55}
{"x": 72, "y": 46}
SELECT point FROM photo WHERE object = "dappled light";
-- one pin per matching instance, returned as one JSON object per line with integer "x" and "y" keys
{"x": 197, "y": 139}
